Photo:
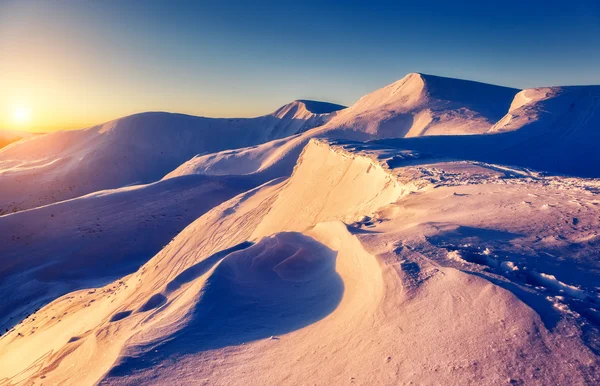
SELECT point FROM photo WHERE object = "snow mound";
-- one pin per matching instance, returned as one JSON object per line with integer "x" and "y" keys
{"x": 565, "y": 112}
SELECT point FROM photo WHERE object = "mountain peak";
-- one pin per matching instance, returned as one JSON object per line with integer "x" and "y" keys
{"x": 421, "y": 104}
{"x": 305, "y": 106}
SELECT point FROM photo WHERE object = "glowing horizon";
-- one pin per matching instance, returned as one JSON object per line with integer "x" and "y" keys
{"x": 78, "y": 64}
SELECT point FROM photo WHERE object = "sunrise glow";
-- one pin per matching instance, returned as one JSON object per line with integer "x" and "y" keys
{"x": 21, "y": 115}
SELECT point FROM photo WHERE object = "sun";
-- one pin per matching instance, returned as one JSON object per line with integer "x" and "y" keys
{"x": 21, "y": 115}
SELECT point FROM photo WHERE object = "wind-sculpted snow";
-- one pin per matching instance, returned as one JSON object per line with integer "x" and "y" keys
{"x": 282, "y": 283}
{"x": 91, "y": 240}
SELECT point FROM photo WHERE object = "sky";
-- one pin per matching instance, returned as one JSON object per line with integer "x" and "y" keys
{"x": 72, "y": 64}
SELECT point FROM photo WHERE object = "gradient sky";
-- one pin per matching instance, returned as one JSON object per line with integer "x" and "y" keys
{"x": 72, "y": 64}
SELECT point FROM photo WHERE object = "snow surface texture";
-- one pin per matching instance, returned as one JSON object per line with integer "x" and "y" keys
{"x": 454, "y": 259}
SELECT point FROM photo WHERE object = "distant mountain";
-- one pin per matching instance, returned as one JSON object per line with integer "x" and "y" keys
{"x": 9, "y": 136}
{"x": 145, "y": 147}
{"x": 419, "y": 105}
{"x": 554, "y": 130}
{"x": 140, "y": 148}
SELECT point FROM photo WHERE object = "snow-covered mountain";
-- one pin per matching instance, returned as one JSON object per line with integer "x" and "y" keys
{"x": 416, "y": 105}
{"x": 136, "y": 149}
{"x": 554, "y": 130}
{"x": 144, "y": 147}
{"x": 460, "y": 256}
{"x": 421, "y": 104}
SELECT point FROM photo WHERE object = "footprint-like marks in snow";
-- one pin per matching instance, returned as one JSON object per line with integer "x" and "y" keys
{"x": 120, "y": 315}
{"x": 202, "y": 267}
{"x": 155, "y": 301}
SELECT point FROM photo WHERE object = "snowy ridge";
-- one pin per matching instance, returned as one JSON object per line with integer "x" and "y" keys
{"x": 381, "y": 277}
{"x": 422, "y": 104}
{"x": 417, "y": 105}
{"x": 442, "y": 259}
{"x": 140, "y": 148}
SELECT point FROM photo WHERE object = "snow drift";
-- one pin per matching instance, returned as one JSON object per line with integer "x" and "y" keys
{"x": 92, "y": 240}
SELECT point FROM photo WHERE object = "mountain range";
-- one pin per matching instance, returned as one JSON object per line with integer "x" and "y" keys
{"x": 437, "y": 231}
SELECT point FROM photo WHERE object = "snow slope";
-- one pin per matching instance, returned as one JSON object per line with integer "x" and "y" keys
{"x": 421, "y": 104}
{"x": 263, "y": 158}
{"x": 10, "y": 136}
{"x": 356, "y": 269}
{"x": 91, "y": 240}
{"x": 552, "y": 130}
{"x": 140, "y": 148}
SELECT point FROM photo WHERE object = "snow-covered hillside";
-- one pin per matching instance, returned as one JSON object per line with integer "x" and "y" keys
{"x": 91, "y": 240}
{"x": 417, "y": 105}
{"x": 446, "y": 272}
{"x": 421, "y": 104}
{"x": 137, "y": 149}
{"x": 553, "y": 130}
{"x": 9, "y": 136}
{"x": 438, "y": 231}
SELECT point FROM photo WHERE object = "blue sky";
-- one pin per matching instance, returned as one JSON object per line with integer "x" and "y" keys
{"x": 89, "y": 61}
